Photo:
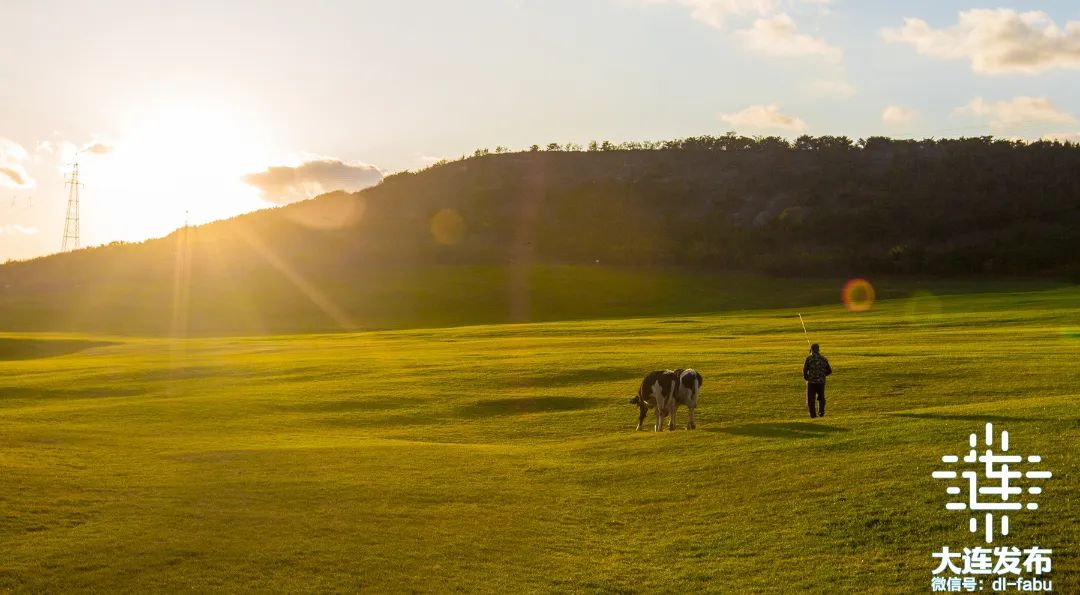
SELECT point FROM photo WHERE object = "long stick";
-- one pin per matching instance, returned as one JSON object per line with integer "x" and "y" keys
{"x": 806, "y": 334}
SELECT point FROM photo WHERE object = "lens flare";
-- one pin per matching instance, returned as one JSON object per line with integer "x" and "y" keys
{"x": 858, "y": 295}
{"x": 923, "y": 307}
{"x": 447, "y": 227}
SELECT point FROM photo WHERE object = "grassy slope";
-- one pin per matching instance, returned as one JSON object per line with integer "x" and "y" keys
{"x": 428, "y": 297}
{"x": 502, "y": 458}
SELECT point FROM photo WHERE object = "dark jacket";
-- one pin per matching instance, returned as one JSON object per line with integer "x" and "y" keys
{"x": 816, "y": 368}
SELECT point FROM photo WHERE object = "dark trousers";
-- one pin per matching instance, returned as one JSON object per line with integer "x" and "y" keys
{"x": 815, "y": 389}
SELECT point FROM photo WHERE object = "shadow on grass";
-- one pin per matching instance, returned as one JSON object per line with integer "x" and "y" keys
{"x": 351, "y": 413}
{"x": 528, "y": 405}
{"x": 969, "y": 417}
{"x": 24, "y": 392}
{"x": 413, "y": 418}
{"x": 565, "y": 377}
{"x": 346, "y": 405}
{"x": 20, "y": 349}
{"x": 794, "y": 429}
{"x": 188, "y": 373}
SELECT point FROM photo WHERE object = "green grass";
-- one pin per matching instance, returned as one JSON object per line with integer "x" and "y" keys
{"x": 219, "y": 299}
{"x": 503, "y": 458}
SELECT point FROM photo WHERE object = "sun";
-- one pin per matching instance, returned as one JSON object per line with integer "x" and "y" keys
{"x": 176, "y": 162}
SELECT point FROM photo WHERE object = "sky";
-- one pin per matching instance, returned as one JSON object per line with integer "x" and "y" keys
{"x": 201, "y": 110}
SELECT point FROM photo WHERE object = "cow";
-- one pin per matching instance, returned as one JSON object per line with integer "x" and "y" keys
{"x": 687, "y": 386}
{"x": 657, "y": 391}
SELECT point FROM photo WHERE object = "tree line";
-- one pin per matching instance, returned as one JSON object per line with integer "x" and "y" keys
{"x": 735, "y": 142}
{"x": 812, "y": 205}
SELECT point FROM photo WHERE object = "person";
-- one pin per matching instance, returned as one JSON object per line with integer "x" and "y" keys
{"x": 814, "y": 371}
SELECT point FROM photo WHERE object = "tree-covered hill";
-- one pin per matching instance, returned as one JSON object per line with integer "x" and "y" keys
{"x": 823, "y": 206}
{"x": 820, "y": 205}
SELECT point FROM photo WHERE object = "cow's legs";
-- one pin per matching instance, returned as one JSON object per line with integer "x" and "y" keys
{"x": 690, "y": 425}
{"x": 659, "y": 416}
{"x": 674, "y": 409}
{"x": 642, "y": 412}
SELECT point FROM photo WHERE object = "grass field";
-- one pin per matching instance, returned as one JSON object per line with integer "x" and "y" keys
{"x": 236, "y": 302}
{"x": 503, "y": 458}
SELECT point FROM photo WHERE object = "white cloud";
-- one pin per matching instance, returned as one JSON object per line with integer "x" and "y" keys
{"x": 996, "y": 41}
{"x": 12, "y": 172}
{"x": 12, "y": 151}
{"x": 68, "y": 151}
{"x": 16, "y": 229}
{"x": 827, "y": 88}
{"x": 284, "y": 184}
{"x": 773, "y": 31}
{"x": 763, "y": 117}
{"x": 715, "y": 12}
{"x": 96, "y": 148}
{"x": 779, "y": 36}
{"x": 1017, "y": 111}
{"x": 898, "y": 114}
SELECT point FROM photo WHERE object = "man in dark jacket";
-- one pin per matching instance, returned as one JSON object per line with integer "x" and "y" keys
{"x": 814, "y": 371}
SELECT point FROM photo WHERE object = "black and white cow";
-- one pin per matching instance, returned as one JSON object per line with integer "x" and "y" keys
{"x": 657, "y": 391}
{"x": 665, "y": 390}
{"x": 687, "y": 388}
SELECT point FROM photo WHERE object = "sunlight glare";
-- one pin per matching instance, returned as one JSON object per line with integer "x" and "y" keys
{"x": 174, "y": 162}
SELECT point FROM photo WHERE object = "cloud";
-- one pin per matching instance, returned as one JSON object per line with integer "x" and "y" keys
{"x": 16, "y": 229}
{"x": 715, "y": 12}
{"x": 779, "y": 36}
{"x": 898, "y": 114}
{"x": 1017, "y": 111}
{"x": 285, "y": 184}
{"x": 96, "y": 148}
{"x": 764, "y": 117}
{"x": 69, "y": 151}
{"x": 996, "y": 41}
{"x": 11, "y": 151}
{"x": 773, "y": 31}
{"x": 12, "y": 172}
{"x": 826, "y": 88}
{"x": 14, "y": 176}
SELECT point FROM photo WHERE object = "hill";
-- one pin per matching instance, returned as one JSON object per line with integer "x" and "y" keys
{"x": 495, "y": 237}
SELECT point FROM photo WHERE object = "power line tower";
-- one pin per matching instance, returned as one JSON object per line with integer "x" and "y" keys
{"x": 71, "y": 223}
